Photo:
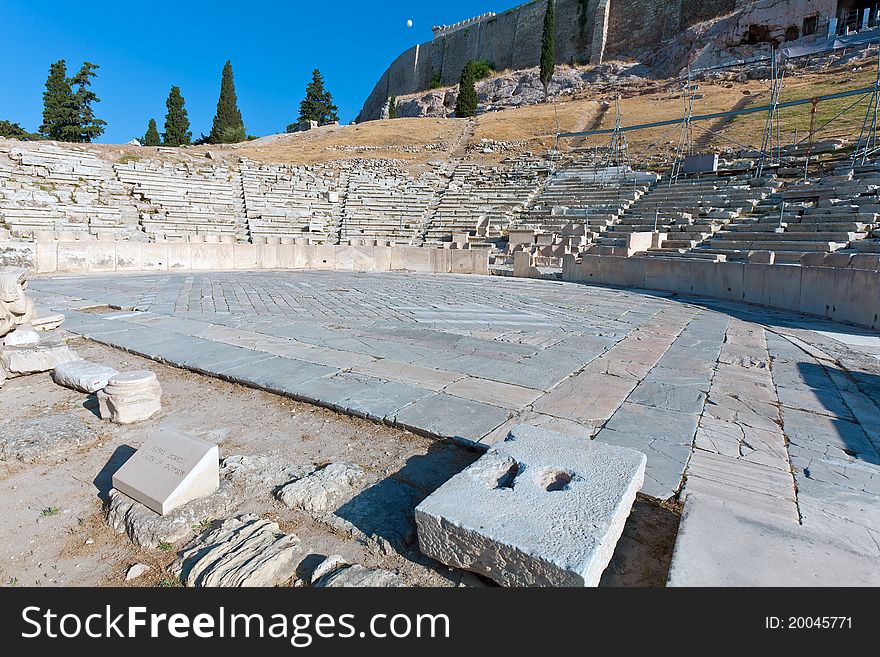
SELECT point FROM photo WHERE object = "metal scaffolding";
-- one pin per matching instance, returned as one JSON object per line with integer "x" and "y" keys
{"x": 618, "y": 148}
{"x": 867, "y": 144}
{"x": 771, "y": 141}
{"x": 685, "y": 147}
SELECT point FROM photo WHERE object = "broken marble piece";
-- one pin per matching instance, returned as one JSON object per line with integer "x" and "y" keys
{"x": 23, "y": 335}
{"x": 323, "y": 490}
{"x": 47, "y": 323}
{"x": 30, "y": 359}
{"x": 170, "y": 469}
{"x": 329, "y": 565}
{"x": 130, "y": 397}
{"x": 247, "y": 551}
{"x": 539, "y": 509}
{"x": 83, "y": 375}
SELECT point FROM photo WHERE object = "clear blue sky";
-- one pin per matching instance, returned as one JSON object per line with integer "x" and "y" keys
{"x": 144, "y": 48}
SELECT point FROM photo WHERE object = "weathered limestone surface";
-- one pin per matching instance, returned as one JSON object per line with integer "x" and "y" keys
{"x": 323, "y": 490}
{"x": 242, "y": 552}
{"x": 83, "y": 375}
{"x": 723, "y": 543}
{"x": 148, "y": 529}
{"x": 34, "y": 439}
{"x": 356, "y": 576}
{"x": 540, "y": 509}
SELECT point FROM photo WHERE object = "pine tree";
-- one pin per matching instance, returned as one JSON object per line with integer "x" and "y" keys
{"x": 318, "y": 103}
{"x": 392, "y": 107}
{"x": 177, "y": 131}
{"x": 228, "y": 125}
{"x": 89, "y": 127}
{"x": 466, "y": 105}
{"x": 151, "y": 138}
{"x": 548, "y": 48}
{"x": 60, "y": 109}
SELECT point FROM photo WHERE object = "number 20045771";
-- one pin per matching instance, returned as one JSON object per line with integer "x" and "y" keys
{"x": 808, "y": 623}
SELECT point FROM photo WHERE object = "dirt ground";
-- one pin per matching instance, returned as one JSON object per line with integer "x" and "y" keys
{"x": 53, "y": 530}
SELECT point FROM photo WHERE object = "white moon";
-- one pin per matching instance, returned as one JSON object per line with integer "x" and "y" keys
{"x": 409, "y": 23}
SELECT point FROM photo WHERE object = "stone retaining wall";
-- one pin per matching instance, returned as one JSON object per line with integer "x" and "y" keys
{"x": 843, "y": 295}
{"x": 92, "y": 256}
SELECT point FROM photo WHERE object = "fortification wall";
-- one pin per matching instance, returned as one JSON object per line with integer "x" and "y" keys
{"x": 510, "y": 40}
{"x": 587, "y": 31}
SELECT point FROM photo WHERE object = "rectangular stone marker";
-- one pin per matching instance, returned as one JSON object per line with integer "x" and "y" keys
{"x": 539, "y": 509}
{"x": 169, "y": 470}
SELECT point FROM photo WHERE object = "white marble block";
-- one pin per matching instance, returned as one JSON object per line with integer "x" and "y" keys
{"x": 539, "y": 509}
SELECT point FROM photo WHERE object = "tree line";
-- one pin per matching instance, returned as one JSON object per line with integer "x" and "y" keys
{"x": 69, "y": 115}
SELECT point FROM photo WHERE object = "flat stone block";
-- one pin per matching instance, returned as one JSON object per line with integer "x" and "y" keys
{"x": 451, "y": 417}
{"x": 587, "y": 398}
{"x": 170, "y": 469}
{"x": 493, "y": 392}
{"x": 539, "y": 509}
{"x": 725, "y": 544}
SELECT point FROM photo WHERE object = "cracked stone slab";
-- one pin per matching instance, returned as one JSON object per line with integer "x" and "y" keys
{"x": 540, "y": 509}
{"x": 823, "y": 402}
{"x": 670, "y": 390}
{"x": 741, "y": 441}
{"x": 721, "y": 543}
{"x": 754, "y": 485}
{"x": 242, "y": 552}
{"x": 812, "y": 430}
{"x": 504, "y": 395}
{"x": 587, "y": 398}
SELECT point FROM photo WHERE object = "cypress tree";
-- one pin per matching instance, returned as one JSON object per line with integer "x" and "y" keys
{"x": 89, "y": 127}
{"x": 318, "y": 103}
{"x": 228, "y": 125}
{"x": 177, "y": 131}
{"x": 548, "y": 48}
{"x": 392, "y": 107}
{"x": 60, "y": 110}
{"x": 151, "y": 138}
{"x": 466, "y": 105}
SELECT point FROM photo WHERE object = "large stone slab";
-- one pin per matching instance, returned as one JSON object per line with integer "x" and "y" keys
{"x": 169, "y": 470}
{"x": 447, "y": 416}
{"x": 721, "y": 543}
{"x": 539, "y": 509}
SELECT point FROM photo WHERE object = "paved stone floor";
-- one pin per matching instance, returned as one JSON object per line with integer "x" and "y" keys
{"x": 766, "y": 409}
